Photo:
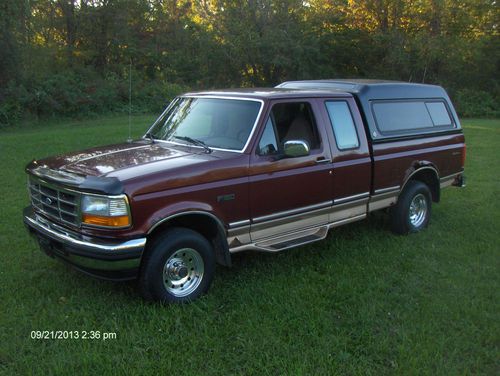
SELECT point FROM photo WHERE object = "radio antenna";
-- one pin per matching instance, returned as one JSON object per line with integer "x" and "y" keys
{"x": 130, "y": 102}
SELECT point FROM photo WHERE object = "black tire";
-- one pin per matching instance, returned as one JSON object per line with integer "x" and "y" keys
{"x": 406, "y": 218}
{"x": 178, "y": 267}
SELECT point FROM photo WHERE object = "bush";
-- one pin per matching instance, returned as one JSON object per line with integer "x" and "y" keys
{"x": 476, "y": 103}
{"x": 81, "y": 93}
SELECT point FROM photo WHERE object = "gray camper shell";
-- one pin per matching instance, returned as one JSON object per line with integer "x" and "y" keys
{"x": 393, "y": 109}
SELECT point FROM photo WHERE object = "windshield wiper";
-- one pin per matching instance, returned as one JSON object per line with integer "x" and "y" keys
{"x": 151, "y": 137}
{"x": 194, "y": 141}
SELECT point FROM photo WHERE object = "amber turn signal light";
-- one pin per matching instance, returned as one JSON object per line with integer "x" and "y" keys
{"x": 118, "y": 221}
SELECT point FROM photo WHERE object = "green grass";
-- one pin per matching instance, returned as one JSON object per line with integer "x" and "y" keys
{"x": 362, "y": 302}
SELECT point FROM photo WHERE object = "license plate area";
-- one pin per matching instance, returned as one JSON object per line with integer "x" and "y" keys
{"x": 50, "y": 247}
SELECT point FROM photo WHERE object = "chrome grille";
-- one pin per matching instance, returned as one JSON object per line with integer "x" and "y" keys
{"x": 58, "y": 203}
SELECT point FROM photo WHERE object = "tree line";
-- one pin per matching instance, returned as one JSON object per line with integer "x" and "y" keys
{"x": 75, "y": 58}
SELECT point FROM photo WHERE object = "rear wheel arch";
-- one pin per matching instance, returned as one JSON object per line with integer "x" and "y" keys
{"x": 204, "y": 223}
{"x": 427, "y": 175}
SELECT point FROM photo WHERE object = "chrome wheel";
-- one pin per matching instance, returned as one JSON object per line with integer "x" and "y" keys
{"x": 183, "y": 272}
{"x": 418, "y": 210}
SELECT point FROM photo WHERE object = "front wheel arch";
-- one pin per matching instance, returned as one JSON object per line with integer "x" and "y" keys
{"x": 206, "y": 224}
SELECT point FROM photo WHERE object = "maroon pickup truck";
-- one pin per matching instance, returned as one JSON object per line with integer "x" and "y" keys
{"x": 228, "y": 171}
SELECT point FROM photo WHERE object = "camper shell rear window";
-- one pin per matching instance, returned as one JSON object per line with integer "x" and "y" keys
{"x": 394, "y": 117}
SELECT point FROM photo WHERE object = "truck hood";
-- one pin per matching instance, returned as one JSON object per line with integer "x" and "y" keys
{"x": 139, "y": 167}
{"x": 104, "y": 160}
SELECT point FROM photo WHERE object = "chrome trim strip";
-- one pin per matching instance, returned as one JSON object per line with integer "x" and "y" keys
{"x": 289, "y": 224}
{"x": 129, "y": 245}
{"x": 386, "y": 190}
{"x": 250, "y": 136}
{"x": 452, "y": 176}
{"x": 217, "y": 220}
{"x": 353, "y": 197}
{"x": 418, "y": 170}
{"x": 254, "y": 246}
{"x": 297, "y": 222}
{"x": 291, "y": 212}
{"x": 346, "y": 220}
{"x": 239, "y": 223}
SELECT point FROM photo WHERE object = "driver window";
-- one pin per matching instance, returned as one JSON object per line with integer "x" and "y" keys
{"x": 289, "y": 121}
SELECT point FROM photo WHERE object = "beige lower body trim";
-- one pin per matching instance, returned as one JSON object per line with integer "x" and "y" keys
{"x": 347, "y": 210}
{"x": 294, "y": 230}
{"x": 238, "y": 236}
{"x": 446, "y": 181}
{"x": 289, "y": 224}
{"x": 383, "y": 200}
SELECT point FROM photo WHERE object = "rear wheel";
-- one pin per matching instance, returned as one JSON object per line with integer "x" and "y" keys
{"x": 412, "y": 212}
{"x": 179, "y": 266}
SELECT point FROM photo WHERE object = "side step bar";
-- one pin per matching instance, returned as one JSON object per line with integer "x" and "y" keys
{"x": 294, "y": 239}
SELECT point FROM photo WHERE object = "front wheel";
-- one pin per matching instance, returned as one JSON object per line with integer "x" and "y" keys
{"x": 412, "y": 212}
{"x": 179, "y": 266}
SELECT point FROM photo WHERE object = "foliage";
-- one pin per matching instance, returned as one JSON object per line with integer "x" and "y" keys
{"x": 472, "y": 103}
{"x": 83, "y": 93}
{"x": 71, "y": 58}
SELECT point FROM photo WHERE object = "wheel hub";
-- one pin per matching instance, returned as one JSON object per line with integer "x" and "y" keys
{"x": 183, "y": 272}
{"x": 176, "y": 269}
{"x": 418, "y": 210}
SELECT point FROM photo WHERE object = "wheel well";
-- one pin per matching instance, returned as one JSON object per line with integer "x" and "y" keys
{"x": 205, "y": 225}
{"x": 429, "y": 177}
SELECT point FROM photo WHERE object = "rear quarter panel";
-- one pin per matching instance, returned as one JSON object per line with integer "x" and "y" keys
{"x": 394, "y": 161}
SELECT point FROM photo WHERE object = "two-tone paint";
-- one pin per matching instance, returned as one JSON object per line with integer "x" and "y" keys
{"x": 245, "y": 201}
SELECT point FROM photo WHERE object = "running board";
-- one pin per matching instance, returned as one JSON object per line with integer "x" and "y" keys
{"x": 293, "y": 240}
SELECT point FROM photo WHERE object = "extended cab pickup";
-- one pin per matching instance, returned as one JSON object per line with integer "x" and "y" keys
{"x": 261, "y": 169}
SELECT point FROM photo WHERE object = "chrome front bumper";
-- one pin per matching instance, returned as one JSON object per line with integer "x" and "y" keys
{"x": 116, "y": 260}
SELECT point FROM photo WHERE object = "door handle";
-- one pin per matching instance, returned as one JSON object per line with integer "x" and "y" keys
{"x": 323, "y": 160}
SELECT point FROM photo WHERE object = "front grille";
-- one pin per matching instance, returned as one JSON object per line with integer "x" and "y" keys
{"x": 56, "y": 202}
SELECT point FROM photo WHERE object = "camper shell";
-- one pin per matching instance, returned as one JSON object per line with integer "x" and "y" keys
{"x": 392, "y": 109}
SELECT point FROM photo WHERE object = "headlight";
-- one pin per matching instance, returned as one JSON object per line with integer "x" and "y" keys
{"x": 105, "y": 211}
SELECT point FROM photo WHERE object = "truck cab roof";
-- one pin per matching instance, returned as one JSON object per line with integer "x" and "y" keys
{"x": 271, "y": 93}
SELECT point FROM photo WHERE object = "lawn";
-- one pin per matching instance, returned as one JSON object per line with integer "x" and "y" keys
{"x": 363, "y": 301}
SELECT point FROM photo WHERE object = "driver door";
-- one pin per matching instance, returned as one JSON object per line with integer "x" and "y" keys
{"x": 289, "y": 194}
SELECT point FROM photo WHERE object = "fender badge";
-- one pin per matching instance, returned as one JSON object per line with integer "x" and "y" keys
{"x": 228, "y": 197}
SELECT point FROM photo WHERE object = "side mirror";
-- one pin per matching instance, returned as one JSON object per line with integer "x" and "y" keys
{"x": 296, "y": 148}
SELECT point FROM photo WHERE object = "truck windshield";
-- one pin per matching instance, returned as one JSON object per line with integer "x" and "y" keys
{"x": 214, "y": 122}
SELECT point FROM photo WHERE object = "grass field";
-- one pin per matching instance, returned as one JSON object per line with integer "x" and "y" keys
{"x": 362, "y": 302}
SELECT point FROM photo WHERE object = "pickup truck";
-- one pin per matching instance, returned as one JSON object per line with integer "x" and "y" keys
{"x": 221, "y": 172}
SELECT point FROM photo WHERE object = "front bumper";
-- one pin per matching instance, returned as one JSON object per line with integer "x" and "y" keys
{"x": 102, "y": 258}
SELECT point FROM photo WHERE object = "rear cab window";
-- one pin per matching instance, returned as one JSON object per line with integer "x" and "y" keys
{"x": 342, "y": 124}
